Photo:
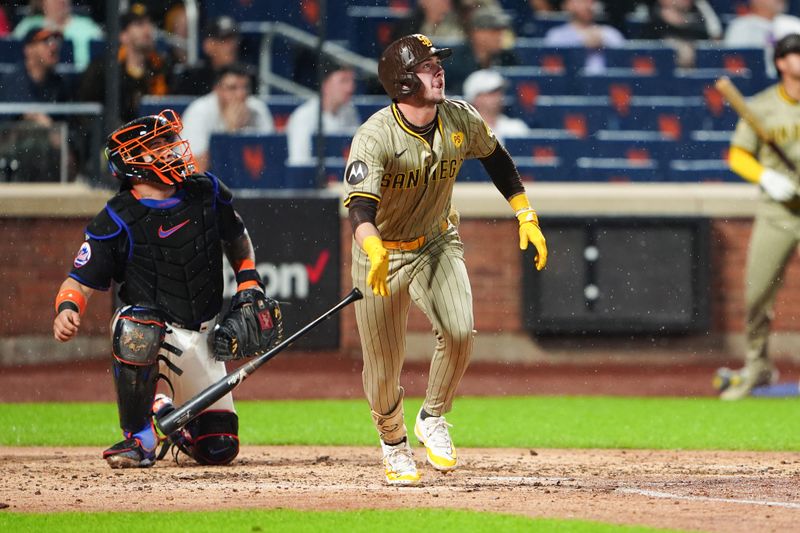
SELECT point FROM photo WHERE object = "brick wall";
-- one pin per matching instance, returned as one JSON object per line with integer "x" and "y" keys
{"x": 35, "y": 256}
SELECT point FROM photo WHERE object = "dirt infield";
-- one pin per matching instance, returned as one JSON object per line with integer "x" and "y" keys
{"x": 708, "y": 491}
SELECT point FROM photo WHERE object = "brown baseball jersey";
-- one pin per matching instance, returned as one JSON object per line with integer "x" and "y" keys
{"x": 412, "y": 181}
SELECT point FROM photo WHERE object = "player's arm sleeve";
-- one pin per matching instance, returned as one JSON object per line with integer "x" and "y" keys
{"x": 361, "y": 210}
{"x": 745, "y": 164}
{"x": 503, "y": 171}
{"x": 230, "y": 224}
{"x": 741, "y": 156}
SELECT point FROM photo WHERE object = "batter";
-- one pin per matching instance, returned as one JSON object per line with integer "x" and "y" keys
{"x": 399, "y": 183}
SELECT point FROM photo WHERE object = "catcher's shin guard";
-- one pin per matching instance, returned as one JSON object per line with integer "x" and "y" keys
{"x": 214, "y": 438}
{"x": 138, "y": 334}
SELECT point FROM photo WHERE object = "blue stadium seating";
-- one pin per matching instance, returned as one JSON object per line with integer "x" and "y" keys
{"x": 558, "y": 60}
{"x": 547, "y": 148}
{"x": 617, "y": 170}
{"x": 528, "y": 83}
{"x": 371, "y": 28}
{"x": 642, "y": 57}
{"x": 733, "y": 60}
{"x": 246, "y": 161}
{"x": 623, "y": 81}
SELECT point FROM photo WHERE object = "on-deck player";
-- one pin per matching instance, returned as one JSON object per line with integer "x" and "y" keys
{"x": 399, "y": 182}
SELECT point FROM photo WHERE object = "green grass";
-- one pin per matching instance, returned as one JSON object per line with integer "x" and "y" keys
{"x": 440, "y": 521}
{"x": 536, "y": 422}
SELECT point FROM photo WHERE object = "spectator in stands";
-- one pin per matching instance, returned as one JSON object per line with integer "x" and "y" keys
{"x": 221, "y": 48}
{"x": 230, "y": 107}
{"x": 438, "y": 19}
{"x": 339, "y": 115}
{"x": 176, "y": 28}
{"x": 485, "y": 89}
{"x": 35, "y": 151}
{"x": 489, "y": 44}
{"x": 35, "y": 78}
{"x": 143, "y": 69}
{"x": 583, "y": 31}
{"x": 761, "y": 28}
{"x": 57, "y": 15}
{"x": 680, "y": 23}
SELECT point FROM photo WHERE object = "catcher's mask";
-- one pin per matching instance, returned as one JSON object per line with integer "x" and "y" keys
{"x": 149, "y": 148}
{"x": 395, "y": 69}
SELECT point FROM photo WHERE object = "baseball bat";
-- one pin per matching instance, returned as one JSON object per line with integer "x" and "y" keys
{"x": 176, "y": 419}
{"x": 727, "y": 88}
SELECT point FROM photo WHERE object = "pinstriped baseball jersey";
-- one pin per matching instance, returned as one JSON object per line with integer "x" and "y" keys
{"x": 780, "y": 115}
{"x": 412, "y": 180}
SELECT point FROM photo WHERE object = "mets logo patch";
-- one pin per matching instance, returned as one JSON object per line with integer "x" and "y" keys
{"x": 84, "y": 254}
{"x": 458, "y": 138}
{"x": 356, "y": 172}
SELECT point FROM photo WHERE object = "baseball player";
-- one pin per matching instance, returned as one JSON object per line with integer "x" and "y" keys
{"x": 776, "y": 229}
{"x": 399, "y": 183}
{"x": 161, "y": 238}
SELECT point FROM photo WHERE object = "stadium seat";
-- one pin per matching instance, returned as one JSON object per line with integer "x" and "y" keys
{"x": 581, "y": 115}
{"x": 558, "y": 148}
{"x": 528, "y": 83}
{"x": 370, "y": 29}
{"x": 335, "y": 145}
{"x": 594, "y": 169}
{"x": 247, "y": 161}
{"x": 557, "y": 60}
{"x": 634, "y": 146}
{"x": 620, "y": 83}
{"x": 733, "y": 60}
{"x": 642, "y": 57}
{"x": 701, "y": 170}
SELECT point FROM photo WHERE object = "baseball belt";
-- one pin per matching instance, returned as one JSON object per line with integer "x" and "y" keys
{"x": 413, "y": 244}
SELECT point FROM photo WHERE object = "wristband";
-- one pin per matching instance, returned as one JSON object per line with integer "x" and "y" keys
{"x": 70, "y": 299}
{"x": 247, "y": 276}
{"x": 522, "y": 209}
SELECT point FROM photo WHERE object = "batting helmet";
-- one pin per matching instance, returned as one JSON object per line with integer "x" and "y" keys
{"x": 132, "y": 152}
{"x": 399, "y": 59}
{"x": 788, "y": 44}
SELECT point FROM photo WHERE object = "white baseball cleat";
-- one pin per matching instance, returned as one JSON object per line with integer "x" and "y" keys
{"x": 398, "y": 463}
{"x": 433, "y": 433}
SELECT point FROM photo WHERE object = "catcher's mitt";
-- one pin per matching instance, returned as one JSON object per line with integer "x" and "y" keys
{"x": 252, "y": 326}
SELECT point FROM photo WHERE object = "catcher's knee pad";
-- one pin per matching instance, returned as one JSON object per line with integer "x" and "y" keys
{"x": 215, "y": 437}
{"x": 138, "y": 335}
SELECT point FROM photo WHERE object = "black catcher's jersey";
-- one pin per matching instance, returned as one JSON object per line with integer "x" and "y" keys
{"x": 165, "y": 254}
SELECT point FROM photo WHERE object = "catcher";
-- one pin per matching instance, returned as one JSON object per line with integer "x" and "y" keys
{"x": 161, "y": 238}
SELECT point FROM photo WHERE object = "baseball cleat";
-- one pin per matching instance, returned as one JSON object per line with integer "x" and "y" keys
{"x": 398, "y": 463}
{"x": 130, "y": 454}
{"x": 434, "y": 435}
{"x": 738, "y": 384}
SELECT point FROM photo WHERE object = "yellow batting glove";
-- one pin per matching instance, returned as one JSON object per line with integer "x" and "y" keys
{"x": 529, "y": 231}
{"x": 379, "y": 265}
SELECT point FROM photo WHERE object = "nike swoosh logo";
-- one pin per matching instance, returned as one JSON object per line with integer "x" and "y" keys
{"x": 398, "y": 154}
{"x": 166, "y": 233}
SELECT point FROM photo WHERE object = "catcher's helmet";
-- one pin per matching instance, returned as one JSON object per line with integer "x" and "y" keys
{"x": 131, "y": 152}
{"x": 399, "y": 59}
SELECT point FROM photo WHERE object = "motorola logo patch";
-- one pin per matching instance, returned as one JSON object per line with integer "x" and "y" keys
{"x": 356, "y": 172}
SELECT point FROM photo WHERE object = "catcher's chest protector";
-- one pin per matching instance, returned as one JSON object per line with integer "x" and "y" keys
{"x": 175, "y": 263}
